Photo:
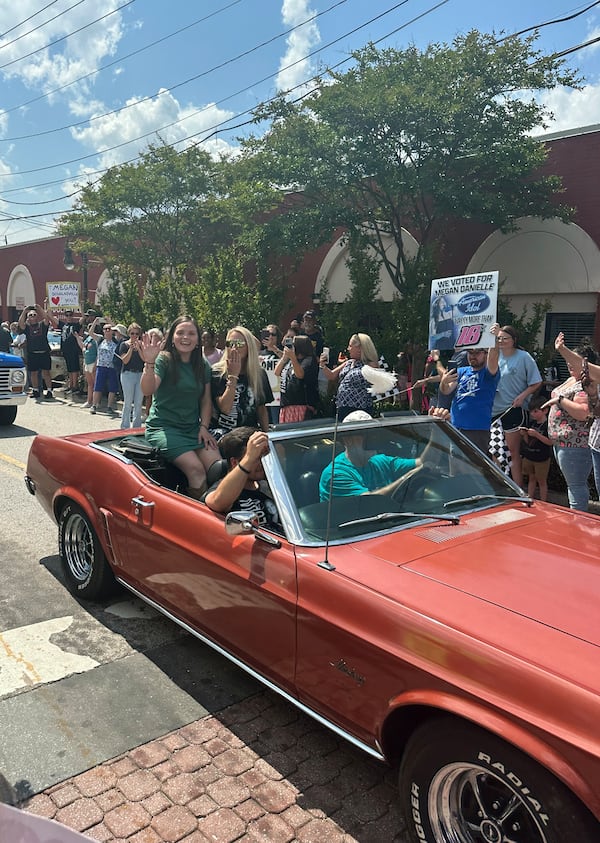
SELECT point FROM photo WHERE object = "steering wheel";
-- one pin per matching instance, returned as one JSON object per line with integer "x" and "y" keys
{"x": 419, "y": 485}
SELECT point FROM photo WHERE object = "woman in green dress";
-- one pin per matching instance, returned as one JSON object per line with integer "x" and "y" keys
{"x": 178, "y": 378}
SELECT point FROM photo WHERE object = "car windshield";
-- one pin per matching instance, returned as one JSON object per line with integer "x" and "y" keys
{"x": 387, "y": 474}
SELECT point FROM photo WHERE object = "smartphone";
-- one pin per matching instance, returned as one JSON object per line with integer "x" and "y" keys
{"x": 325, "y": 351}
{"x": 288, "y": 342}
{"x": 452, "y": 366}
{"x": 264, "y": 335}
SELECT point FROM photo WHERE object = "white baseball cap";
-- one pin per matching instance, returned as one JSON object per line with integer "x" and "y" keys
{"x": 358, "y": 415}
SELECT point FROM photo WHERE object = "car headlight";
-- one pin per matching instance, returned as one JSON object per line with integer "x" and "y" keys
{"x": 17, "y": 377}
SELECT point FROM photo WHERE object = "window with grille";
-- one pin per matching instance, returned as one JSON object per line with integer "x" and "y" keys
{"x": 575, "y": 327}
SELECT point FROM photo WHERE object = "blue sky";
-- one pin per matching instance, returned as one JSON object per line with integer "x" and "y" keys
{"x": 85, "y": 87}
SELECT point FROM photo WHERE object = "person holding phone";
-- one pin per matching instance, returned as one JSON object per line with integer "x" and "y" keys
{"x": 353, "y": 389}
{"x": 299, "y": 373}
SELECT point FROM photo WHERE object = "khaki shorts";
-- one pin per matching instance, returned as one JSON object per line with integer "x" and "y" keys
{"x": 89, "y": 367}
{"x": 539, "y": 470}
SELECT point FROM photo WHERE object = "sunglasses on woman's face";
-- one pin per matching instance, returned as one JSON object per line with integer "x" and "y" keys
{"x": 235, "y": 343}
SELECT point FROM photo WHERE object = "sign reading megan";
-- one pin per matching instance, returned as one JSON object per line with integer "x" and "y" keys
{"x": 462, "y": 310}
{"x": 63, "y": 295}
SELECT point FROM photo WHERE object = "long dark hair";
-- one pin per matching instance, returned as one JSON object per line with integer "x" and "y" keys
{"x": 172, "y": 355}
{"x": 303, "y": 346}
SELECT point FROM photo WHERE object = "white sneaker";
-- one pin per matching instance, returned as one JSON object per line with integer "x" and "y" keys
{"x": 86, "y": 406}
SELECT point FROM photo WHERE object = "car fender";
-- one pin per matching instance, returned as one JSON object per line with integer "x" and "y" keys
{"x": 70, "y": 494}
{"x": 416, "y": 706}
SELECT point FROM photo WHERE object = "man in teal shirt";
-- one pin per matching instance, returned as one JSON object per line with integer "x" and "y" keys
{"x": 360, "y": 472}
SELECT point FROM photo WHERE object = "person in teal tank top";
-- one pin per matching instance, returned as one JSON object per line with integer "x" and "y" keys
{"x": 178, "y": 378}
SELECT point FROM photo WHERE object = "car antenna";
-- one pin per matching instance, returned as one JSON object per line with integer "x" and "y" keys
{"x": 326, "y": 563}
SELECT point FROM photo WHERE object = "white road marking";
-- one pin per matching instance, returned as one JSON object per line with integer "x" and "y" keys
{"x": 27, "y": 657}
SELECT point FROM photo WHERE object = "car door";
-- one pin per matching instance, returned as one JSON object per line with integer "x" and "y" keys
{"x": 345, "y": 667}
{"x": 238, "y": 590}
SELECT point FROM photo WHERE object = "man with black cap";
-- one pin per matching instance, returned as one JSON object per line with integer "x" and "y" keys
{"x": 312, "y": 330}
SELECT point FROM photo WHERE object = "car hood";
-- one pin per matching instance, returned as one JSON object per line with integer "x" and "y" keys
{"x": 540, "y": 563}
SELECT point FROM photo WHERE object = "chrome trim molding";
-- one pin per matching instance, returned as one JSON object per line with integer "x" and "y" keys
{"x": 259, "y": 677}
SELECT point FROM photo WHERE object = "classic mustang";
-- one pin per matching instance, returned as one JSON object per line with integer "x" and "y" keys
{"x": 447, "y": 623}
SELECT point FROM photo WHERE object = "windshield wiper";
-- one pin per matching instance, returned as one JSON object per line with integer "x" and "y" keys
{"x": 389, "y": 516}
{"x": 474, "y": 498}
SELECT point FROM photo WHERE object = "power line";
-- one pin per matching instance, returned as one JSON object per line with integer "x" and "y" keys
{"x": 120, "y": 60}
{"x": 35, "y": 14}
{"x": 68, "y": 35}
{"x": 224, "y": 99}
{"x": 39, "y": 26}
{"x": 214, "y": 130}
{"x": 179, "y": 84}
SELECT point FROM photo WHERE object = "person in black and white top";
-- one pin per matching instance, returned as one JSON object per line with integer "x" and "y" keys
{"x": 299, "y": 372}
{"x": 244, "y": 488}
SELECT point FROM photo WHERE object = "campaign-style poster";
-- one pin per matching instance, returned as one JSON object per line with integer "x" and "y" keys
{"x": 63, "y": 295}
{"x": 462, "y": 310}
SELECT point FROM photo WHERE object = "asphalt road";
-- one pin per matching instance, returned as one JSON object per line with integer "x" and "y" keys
{"x": 81, "y": 683}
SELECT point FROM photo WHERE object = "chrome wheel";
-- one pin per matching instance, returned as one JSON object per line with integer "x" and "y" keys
{"x": 84, "y": 564}
{"x": 468, "y": 804}
{"x": 78, "y": 546}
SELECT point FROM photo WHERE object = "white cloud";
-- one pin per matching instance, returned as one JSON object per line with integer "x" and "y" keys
{"x": 299, "y": 44}
{"x": 573, "y": 109}
{"x": 38, "y": 66}
{"x": 161, "y": 118}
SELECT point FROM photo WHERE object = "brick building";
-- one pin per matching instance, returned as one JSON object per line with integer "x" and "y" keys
{"x": 543, "y": 259}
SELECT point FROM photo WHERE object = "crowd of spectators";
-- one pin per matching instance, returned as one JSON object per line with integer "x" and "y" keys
{"x": 288, "y": 376}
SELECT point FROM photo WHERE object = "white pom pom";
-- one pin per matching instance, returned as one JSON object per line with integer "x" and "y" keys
{"x": 380, "y": 380}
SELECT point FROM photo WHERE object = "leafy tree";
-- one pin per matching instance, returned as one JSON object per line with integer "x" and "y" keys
{"x": 224, "y": 298}
{"x": 413, "y": 139}
{"x": 157, "y": 214}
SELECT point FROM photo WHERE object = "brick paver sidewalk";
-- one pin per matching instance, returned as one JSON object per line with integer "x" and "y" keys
{"x": 256, "y": 771}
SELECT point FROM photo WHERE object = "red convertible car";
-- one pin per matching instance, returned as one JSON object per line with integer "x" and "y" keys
{"x": 450, "y": 626}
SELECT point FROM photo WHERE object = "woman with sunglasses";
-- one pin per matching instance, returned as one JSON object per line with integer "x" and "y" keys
{"x": 105, "y": 379}
{"x": 178, "y": 377}
{"x": 240, "y": 386}
{"x": 131, "y": 377}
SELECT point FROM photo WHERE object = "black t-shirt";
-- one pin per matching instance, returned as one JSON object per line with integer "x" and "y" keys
{"x": 300, "y": 390}
{"x": 68, "y": 330}
{"x": 136, "y": 364}
{"x": 260, "y": 502}
{"x": 37, "y": 338}
{"x": 531, "y": 448}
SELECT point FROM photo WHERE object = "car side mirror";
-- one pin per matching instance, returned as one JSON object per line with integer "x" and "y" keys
{"x": 241, "y": 523}
{"x": 244, "y": 523}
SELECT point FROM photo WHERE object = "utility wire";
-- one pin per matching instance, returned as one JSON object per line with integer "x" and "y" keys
{"x": 195, "y": 78}
{"x": 231, "y": 96}
{"x": 68, "y": 35}
{"x": 219, "y": 127}
{"x": 39, "y": 26}
{"x": 119, "y": 60}
{"x": 35, "y": 14}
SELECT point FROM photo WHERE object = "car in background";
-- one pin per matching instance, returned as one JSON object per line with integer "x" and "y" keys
{"x": 449, "y": 627}
{"x": 58, "y": 369}
{"x": 12, "y": 386}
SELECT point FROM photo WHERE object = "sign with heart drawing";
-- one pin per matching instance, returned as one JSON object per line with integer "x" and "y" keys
{"x": 63, "y": 295}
